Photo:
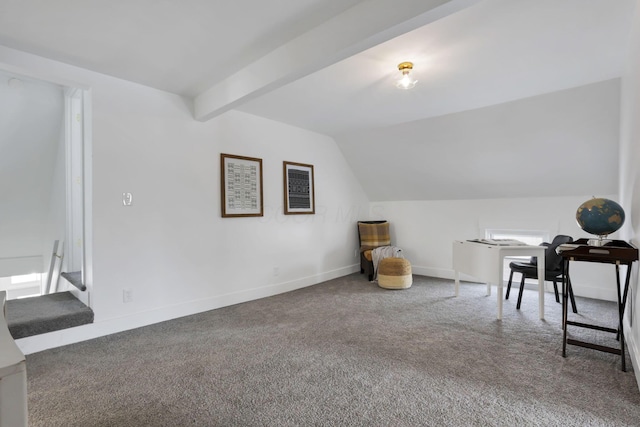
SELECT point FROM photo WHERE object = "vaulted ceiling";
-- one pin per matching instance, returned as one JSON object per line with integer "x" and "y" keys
{"x": 329, "y": 65}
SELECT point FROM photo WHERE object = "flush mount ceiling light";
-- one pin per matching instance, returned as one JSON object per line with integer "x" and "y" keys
{"x": 406, "y": 81}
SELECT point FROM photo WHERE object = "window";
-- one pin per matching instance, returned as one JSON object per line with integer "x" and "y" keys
{"x": 21, "y": 286}
{"x": 530, "y": 237}
{"x": 25, "y": 278}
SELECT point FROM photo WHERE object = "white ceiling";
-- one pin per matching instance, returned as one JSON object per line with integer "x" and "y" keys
{"x": 179, "y": 46}
{"x": 490, "y": 53}
{"x": 480, "y": 53}
{"x": 329, "y": 66}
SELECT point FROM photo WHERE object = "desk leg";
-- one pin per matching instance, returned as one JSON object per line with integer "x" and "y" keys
{"x": 541, "y": 288}
{"x": 499, "y": 289}
{"x": 499, "y": 295}
{"x": 456, "y": 275}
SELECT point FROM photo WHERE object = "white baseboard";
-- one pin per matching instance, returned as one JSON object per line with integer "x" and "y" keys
{"x": 440, "y": 273}
{"x": 608, "y": 294}
{"x": 63, "y": 337}
{"x": 594, "y": 292}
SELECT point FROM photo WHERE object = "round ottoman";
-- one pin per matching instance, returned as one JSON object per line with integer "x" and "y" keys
{"x": 394, "y": 273}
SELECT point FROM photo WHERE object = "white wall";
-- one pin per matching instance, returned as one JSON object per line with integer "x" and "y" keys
{"x": 171, "y": 248}
{"x": 175, "y": 253}
{"x": 630, "y": 179}
{"x": 563, "y": 143}
{"x": 525, "y": 164}
{"x": 30, "y": 128}
{"x": 55, "y": 224}
{"x": 425, "y": 231}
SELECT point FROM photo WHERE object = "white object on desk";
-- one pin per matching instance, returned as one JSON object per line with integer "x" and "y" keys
{"x": 485, "y": 262}
{"x": 13, "y": 377}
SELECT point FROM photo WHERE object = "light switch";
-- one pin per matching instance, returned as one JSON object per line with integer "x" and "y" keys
{"x": 127, "y": 199}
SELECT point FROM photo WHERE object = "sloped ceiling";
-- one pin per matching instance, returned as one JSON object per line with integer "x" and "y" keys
{"x": 182, "y": 46}
{"x": 560, "y": 144}
{"x": 329, "y": 65}
{"x": 492, "y": 52}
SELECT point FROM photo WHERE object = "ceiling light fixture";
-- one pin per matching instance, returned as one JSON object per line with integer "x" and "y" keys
{"x": 406, "y": 81}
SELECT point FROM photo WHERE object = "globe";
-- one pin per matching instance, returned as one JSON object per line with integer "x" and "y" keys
{"x": 600, "y": 216}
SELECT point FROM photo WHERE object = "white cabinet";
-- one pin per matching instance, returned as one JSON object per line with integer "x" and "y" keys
{"x": 13, "y": 376}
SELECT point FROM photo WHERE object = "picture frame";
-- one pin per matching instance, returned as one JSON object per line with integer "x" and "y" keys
{"x": 299, "y": 189}
{"x": 241, "y": 186}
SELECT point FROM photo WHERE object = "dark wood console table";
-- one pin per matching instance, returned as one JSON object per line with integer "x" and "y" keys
{"x": 616, "y": 252}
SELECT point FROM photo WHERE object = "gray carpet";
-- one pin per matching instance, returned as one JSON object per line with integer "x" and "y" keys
{"x": 46, "y": 313}
{"x": 75, "y": 278}
{"x": 343, "y": 353}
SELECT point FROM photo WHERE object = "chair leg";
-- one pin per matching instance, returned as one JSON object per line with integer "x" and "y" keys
{"x": 520, "y": 294}
{"x": 555, "y": 289}
{"x": 509, "y": 284}
{"x": 573, "y": 300}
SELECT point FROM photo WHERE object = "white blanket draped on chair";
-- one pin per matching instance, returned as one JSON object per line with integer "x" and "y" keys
{"x": 382, "y": 252}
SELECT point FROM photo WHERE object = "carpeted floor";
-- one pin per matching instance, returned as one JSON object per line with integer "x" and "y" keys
{"x": 343, "y": 353}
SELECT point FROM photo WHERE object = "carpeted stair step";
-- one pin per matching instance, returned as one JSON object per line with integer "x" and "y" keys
{"x": 75, "y": 278}
{"x": 46, "y": 313}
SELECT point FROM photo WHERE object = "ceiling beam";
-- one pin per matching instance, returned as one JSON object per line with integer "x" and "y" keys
{"x": 359, "y": 28}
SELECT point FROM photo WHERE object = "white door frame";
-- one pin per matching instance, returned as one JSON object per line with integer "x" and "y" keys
{"x": 78, "y": 186}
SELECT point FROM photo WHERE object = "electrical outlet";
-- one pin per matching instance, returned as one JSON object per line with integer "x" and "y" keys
{"x": 127, "y": 295}
{"x": 276, "y": 271}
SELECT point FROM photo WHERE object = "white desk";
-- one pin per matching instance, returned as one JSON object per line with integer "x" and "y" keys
{"x": 485, "y": 262}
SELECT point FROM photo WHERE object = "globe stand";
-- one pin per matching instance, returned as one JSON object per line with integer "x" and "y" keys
{"x": 600, "y": 241}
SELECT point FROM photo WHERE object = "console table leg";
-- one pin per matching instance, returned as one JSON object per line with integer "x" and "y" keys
{"x": 621, "y": 304}
{"x": 565, "y": 274}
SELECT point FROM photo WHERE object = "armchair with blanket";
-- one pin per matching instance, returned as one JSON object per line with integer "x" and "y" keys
{"x": 375, "y": 244}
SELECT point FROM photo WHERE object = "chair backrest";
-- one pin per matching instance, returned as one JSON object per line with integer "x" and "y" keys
{"x": 373, "y": 234}
{"x": 553, "y": 261}
{"x": 534, "y": 259}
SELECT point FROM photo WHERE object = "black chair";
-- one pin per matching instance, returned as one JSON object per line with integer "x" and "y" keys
{"x": 553, "y": 270}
